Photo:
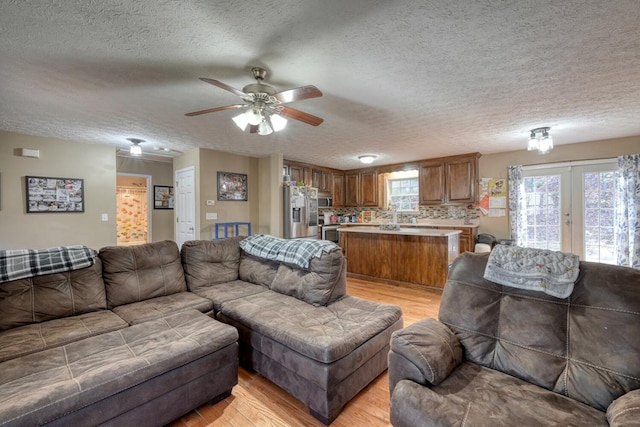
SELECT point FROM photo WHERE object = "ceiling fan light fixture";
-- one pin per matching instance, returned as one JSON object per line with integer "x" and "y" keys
{"x": 367, "y": 158}
{"x": 241, "y": 121}
{"x": 278, "y": 122}
{"x": 254, "y": 115}
{"x": 264, "y": 128}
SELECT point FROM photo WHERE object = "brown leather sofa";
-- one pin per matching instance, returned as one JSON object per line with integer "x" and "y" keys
{"x": 119, "y": 343}
{"x": 501, "y": 356}
{"x": 132, "y": 340}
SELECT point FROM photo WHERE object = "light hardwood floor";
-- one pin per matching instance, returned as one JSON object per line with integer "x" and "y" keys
{"x": 256, "y": 401}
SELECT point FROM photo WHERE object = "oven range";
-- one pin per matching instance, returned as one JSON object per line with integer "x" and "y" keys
{"x": 330, "y": 232}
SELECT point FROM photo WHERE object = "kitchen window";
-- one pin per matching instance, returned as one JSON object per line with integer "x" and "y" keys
{"x": 403, "y": 191}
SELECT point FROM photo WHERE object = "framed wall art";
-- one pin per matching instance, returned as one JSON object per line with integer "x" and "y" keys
{"x": 232, "y": 186}
{"x": 48, "y": 194}
{"x": 162, "y": 197}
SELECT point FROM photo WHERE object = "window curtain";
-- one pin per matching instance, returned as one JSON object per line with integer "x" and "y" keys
{"x": 517, "y": 218}
{"x": 628, "y": 211}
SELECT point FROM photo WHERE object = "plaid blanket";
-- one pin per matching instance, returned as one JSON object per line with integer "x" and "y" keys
{"x": 294, "y": 251}
{"x": 22, "y": 263}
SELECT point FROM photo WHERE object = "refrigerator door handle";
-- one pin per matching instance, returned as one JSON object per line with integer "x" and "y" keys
{"x": 307, "y": 214}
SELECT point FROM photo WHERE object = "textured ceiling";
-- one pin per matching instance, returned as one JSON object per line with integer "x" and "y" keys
{"x": 403, "y": 80}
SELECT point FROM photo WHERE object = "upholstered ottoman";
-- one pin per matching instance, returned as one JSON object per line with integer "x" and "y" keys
{"x": 322, "y": 355}
{"x": 146, "y": 374}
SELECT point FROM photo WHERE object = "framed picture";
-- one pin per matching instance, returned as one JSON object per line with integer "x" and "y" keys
{"x": 162, "y": 197}
{"x": 232, "y": 186}
{"x": 47, "y": 194}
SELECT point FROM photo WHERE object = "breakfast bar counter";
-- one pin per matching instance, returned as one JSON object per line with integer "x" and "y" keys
{"x": 407, "y": 256}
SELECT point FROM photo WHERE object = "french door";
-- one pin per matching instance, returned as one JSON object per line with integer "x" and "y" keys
{"x": 571, "y": 208}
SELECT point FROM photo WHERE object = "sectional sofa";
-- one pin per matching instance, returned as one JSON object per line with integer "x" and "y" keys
{"x": 150, "y": 332}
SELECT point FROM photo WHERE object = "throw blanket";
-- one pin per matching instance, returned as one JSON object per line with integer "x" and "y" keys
{"x": 294, "y": 251}
{"x": 22, "y": 263}
{"x": 551, "y": 272}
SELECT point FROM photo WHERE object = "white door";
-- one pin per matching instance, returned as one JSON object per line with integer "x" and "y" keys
{"x": 571, "y": 209}
{"x": 185, "y": 205}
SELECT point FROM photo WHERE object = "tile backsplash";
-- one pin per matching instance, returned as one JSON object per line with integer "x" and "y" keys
{"x": 425, "y": 212}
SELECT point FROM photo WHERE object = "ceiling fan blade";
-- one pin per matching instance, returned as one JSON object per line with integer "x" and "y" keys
{"x": 224, "y": 86}
{"x": 213, "y": 110}
{"x": 298, "y": 94}
{"x": 301, "y": 115}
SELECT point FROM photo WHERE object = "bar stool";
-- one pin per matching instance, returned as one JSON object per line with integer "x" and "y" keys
{"x": 225, "y": 226}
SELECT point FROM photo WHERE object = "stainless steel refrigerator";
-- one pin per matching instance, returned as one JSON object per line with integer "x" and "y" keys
{"x": 300, "y": 212}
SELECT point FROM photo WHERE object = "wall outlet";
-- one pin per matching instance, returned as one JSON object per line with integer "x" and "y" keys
{"x": 211, "y": 202}
{"x": 105, "y": 217}
{"x": 211, "y": 215}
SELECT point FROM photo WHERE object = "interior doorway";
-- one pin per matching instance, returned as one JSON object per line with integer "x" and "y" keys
{"x": 133, "y": 220}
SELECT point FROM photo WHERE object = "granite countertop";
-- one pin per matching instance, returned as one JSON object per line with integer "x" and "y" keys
{"x": 408, "y": 231}
{"x": 474, "y": 223}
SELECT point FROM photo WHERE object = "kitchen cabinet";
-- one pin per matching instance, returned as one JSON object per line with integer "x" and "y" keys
{"x": 298, "y": 173}
{"x": 321, "y": 179}
{"x": 337, "y": 189}
{"x": 361, "y": 188}
{"x": 352, "y": 188}
{"x": 467, "y": 237}
{"x": 449, "y": 180}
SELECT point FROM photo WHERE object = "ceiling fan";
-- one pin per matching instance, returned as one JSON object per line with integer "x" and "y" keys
{"x": 264, "y": 106}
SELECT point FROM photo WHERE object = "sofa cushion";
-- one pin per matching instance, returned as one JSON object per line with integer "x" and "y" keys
{"x": 43, "y": 386}
{"x": 136, "y": 273}
{"x": 257, "y": 270}
{"x": 155, "y": 308}
{"x": 208, "y": 262}
{"x": 40, "y": 298}
{"x": 584, "y": 346}
{"x": 28, "y": 339}
{"x": 478, "y": 396}
{"x": 323, "y": 333}
{"x": 325, "y": 281}
{"x": 223, "y": 292}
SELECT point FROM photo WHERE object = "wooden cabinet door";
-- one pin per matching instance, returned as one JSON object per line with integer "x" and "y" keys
{"x": 316, "y": 179}
{"x": 369, "y": 188}
{"x": 338, "y": 189}
{"x": 327, "y": 181}
{"x": 432, "y": 183}
{"x": 352, "y": 189}
{"x": 296, "y": 173}
{"x": 461, "y": 180}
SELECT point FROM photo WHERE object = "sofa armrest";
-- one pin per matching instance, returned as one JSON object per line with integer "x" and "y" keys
{"x": 425, "y": 352}
{"x": 625, "y": 410}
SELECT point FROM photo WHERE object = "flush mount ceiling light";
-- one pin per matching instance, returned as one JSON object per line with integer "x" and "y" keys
{"x": 540, "y": 140}
{"x": 136, "y": 149}
{"x": 367, "y": 158}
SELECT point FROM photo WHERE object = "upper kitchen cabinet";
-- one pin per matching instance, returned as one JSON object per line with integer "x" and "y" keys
{"x": 449, "y": 180}
{"x": 337, "y": 189}
{"x": 361, "y": 188}
{"x": 322, "y": 180}
{"x": 352, "y": 188}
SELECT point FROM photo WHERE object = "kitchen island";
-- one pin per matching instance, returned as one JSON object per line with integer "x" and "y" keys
{"x": 409, "y": 255}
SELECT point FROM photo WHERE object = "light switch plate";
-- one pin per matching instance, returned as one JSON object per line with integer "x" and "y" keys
{"x": 105, "y": 217}
{"x": 211, "y": 215}
{"x": 211, "y": 202}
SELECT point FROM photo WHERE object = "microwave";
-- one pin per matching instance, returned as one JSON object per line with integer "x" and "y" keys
{"x": 325, "y": 200}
